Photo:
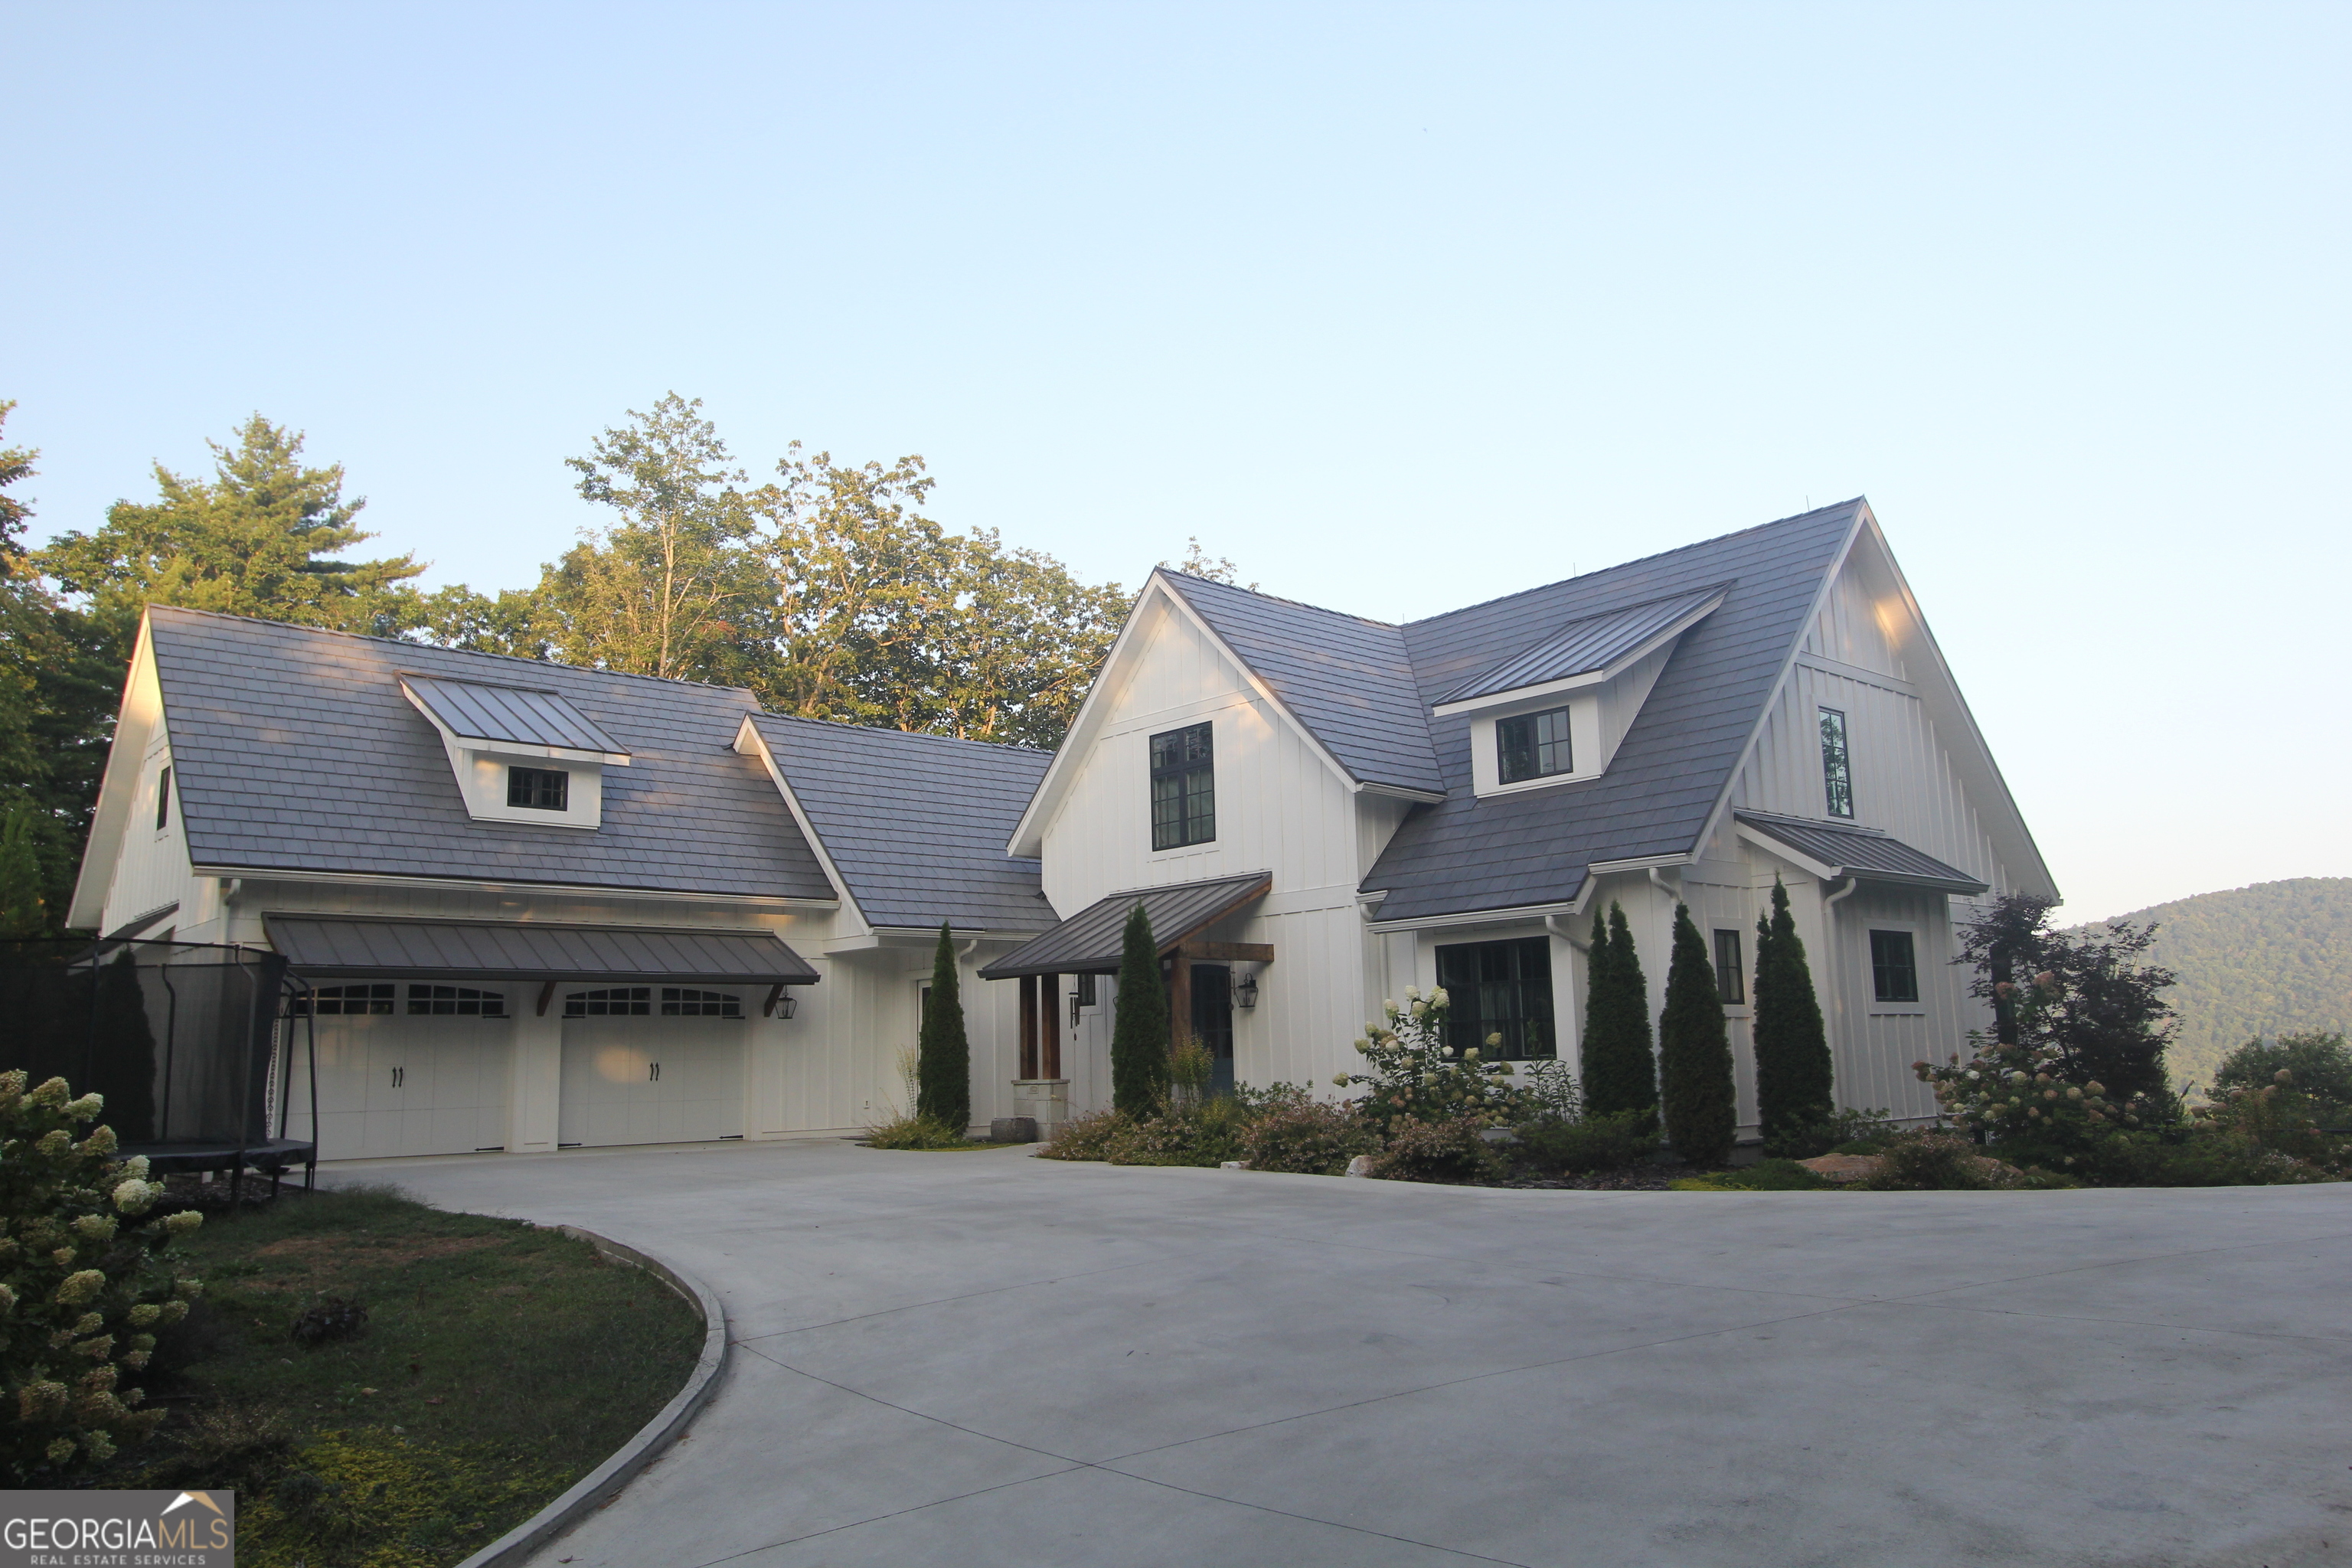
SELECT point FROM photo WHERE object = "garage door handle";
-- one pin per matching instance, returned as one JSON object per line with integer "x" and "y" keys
{"x": 653, "y": 1072}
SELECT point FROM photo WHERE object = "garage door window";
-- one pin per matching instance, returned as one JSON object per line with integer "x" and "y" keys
{"x": 637, "y": 1002}
{"x": 456, "y": 1001}
{"x": 347, "y": 1001}
{"x": 680, "y": 1002}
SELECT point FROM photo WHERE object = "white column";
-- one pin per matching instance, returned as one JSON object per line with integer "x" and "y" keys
{"x": 535, "y": 1077}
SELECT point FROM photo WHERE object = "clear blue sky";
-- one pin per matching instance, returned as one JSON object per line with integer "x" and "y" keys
{"x": 1400, "y": 307}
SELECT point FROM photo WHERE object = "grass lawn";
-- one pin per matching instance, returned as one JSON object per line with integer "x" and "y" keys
{"x": 499, "y": 1363}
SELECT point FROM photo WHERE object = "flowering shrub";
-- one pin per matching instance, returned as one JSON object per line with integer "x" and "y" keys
{"x": 1452, "y": 1150}
{"x": 83, "y": 1283}
{"x": 1292, "y": 1131}
{"x": 1084, "y": 1137}
{"x": 1410, "y": 1072}
{"x": 2021, "y": 1093}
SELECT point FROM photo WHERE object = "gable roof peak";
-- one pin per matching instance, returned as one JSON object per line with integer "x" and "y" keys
{"x": 1272, "y": 599}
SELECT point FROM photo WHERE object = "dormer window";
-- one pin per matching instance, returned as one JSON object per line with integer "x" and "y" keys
{"x": 538, "y": 789}
{"x": 1534, "y": 746}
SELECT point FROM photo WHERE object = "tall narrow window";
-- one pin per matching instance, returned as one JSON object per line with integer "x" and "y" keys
{"x": 1730, "y": 974}
{"x": 1837, "y": 771}
{"x": 1533, "y": 745}
{"x": 540, "y": 789}
{"x": 1085, "y": 995}
{"x": 1894, "y": 966}
{"x": 163, "y": 799}
{"x": 1498, "y": 988}
{"x": 1183, "y": 788}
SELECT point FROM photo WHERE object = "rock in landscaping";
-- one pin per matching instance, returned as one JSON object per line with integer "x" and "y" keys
{"x": 1012, "y": 1129}
{"x": 1232, "y": 1165}
{"x": 1842, "y": 1167}
{"x": 1361, "y": 1165}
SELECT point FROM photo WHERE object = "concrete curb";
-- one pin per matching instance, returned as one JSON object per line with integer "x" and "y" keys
{"x": 599, "y": 1485}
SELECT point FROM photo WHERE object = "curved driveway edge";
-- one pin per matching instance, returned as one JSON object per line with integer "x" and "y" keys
{"x": 598, "y": 1485}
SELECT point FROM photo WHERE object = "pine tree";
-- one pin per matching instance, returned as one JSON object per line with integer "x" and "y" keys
{"x": 1620, "y": 1072}
{"x": 1139, "y": 1035}
{"x": 1794, "y": 1076}
{"x": 1694, "y": 1054}
{"x": 943, "y": 1074}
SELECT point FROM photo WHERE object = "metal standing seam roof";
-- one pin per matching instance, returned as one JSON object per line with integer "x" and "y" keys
{"x": 1348, "y": 679}
{"x": 1585, "y": 646}
{"x": 475, "y": 712}
{"x": 916, "y": 823}
{"x": 1093, "y": 939}
{"x": 323, "y": 947}
{"x": 1863, "y": 853}
{"x": 1465, "y": 854}
{"x": 295, "y": 750}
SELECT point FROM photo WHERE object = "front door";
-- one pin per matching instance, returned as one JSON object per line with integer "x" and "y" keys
{"x": 1212, "y": 1021}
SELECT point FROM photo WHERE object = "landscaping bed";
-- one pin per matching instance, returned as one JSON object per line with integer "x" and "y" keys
{"x": 454, "y": 1373}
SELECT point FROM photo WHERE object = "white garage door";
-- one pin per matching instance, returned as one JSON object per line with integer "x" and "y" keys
{"x": 402, "y": 1070}
{"x": 651, "y": 1065}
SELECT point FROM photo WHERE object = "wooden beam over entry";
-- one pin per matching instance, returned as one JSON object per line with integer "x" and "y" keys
{"x": 1229, "y": 952}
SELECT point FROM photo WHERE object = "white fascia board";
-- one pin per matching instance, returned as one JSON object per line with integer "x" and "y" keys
{"x": 135, "y": 725}
{"x": 1401, "y": 791}
{"x": 1517, "y": 915}
{"x": 751, "y": 742}
{"x": 1643, "y": 862}
{"x": 456, "y": 743}
{"x": 1608, "y": 672}
{"x": 1794, "y": 857}
{"x": 1265, "y": 692}
{"x": 283, "y": 876}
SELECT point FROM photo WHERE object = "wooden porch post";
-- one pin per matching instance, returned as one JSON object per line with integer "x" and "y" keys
{"x": 1180, "y": 1000}
{"x": 1029, "y": 1025}
{"x": 1049, "y": 1063}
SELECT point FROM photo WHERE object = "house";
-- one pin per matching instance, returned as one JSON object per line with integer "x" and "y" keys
{"x": 544, "y": 906}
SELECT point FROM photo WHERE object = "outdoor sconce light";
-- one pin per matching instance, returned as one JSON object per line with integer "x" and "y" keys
{"x": 781, "y": 1003}
{"x": 1246, "y": 992}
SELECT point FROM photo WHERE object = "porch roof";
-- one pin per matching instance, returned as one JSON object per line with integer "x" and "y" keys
{"x": 1089, "y": 943}
{"x": 323, "y": 947}
{"x": 1834, "y": 851}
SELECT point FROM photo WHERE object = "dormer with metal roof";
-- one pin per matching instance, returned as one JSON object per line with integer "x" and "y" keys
{"x": 520, "y": 755}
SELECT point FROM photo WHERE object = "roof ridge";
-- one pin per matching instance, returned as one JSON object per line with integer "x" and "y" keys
{"x": 437, "y": 648}
{"x": 894, "y": 730}
{"x": 1279, "y": 599}
{"x": 1642, "y": 560}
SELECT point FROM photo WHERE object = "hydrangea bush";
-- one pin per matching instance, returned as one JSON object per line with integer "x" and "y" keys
{"x": 85, "y": 1281}
{"x": 2022, "y": 1093}
{"x": 1410, "y": 1073}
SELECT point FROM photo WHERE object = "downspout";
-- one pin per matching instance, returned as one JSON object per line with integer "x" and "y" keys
{"x": 1850, "y": 885}
{"x": 1661, "y": 884}
{"x": 1551, "y": 924}
{"x": 1830, "y": 954}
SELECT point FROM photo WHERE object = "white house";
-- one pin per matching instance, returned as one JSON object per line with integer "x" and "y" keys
{"x": 545, "y": 907}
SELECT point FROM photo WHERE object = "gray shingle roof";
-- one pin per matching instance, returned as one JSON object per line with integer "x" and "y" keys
{"x": 453, "y": 950}
{"x": 1863, "y": 853}
{"x": 1465, "y": 854}
{"x": 474, "y": 711}
{"x": 1346, "y": 678}
{"x": 916, "y": 823}
{"x": 1584, "y": 646}
{"x": 1094, "y": 937}
{"x": 295, "y": 750}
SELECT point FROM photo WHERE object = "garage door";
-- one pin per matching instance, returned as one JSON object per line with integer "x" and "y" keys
{"x": 406, "y": 1070}
{"x": 651, "y": 1064}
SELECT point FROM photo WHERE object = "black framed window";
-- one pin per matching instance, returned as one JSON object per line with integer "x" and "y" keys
{"x": 1894, "y": 966}
{"x": 611, "y": 1002}
{"x": 163, "y": 799}
{"x": 1183, "y": 787}
{"x": 456, "y": 1001}
{"x": 680, "y": 1001}
{"x": 1533, "y": 745}
{"x": 1499, "y": 988}
{"x": 540, "y": 789}
{"x": 1086, "y": 991}
{"x": 1837, "y": 769}
{"x": 1731, "y": 974}
{"x": 372, "y": 998}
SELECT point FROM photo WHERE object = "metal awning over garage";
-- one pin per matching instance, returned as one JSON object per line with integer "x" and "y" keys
{"x": 320, "y": 948}
{"x": 1088, "y": 941}
{"x": 1832, "y": 851}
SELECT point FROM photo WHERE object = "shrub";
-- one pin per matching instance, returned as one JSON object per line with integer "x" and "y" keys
{"x": 915, "y": 1132}
{"x": 944, "y": 1071}
{"x": 1451, "y": 1150}
{"x": 1084, "y": 1137}
{"x": 2089, "y": 1003}
{"x": 1847, "y": 1132}
{"x": 2321, "y": 1065}
{"x": 1696, "y": 1092}
{"x": 1206, "y": 1132}
{"x": 1764, "y": 1176}
{"x": 1138, "y": 1033}
{"x": 1620, "y": 1073}
{"x": 1794, "y": 1075}
{"x": 83, "y": 1284}
{"x": 1592, "y": 1143}
{"x": 1296, "y": 1133}
{"x": 1410, "y": 1073}
{"x": 2023, "y": 1095}
{"x": 1934, "y": 1163}
{"x": 323, "y": 1322}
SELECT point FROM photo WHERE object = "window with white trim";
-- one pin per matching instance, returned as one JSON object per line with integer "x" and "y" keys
{"x": 363, "y": 999}
{"x": 456, "y": 1001}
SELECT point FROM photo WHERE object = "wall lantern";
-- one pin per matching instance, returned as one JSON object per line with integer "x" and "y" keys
{"x": 781, "y": 1003}
{"x": 1246, "y": 992}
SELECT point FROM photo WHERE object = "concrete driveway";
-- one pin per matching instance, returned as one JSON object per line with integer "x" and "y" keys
{"x": 985, "y": 1358}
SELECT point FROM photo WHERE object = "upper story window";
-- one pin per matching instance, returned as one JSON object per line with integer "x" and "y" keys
{"x": 1731, "y": 974}
{"x": 1894, "y": 966}
{"x": 164, "y": 798}
{"x": 1183, "y": 787}
{"x": 1498, "y": 988}
{"x": 540, "y": 789}
{"x": 1533, "y": 746}
{"x": 1837, "y": 769}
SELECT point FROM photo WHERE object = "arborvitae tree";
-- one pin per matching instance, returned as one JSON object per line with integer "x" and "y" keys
{"x": 1694, "y": 1054}
{"x": 1139, "y": 1035}
{"x": 1619, "y": 1073}
{"x": 943, "y": 1074}
{"x": 1794, "y": 1076}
